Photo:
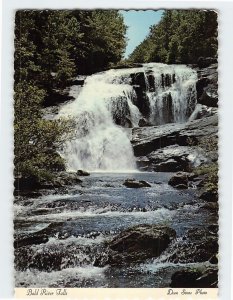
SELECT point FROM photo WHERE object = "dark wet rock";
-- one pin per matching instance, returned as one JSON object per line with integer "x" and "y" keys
{"x": 214, "y": 260}
{"x": 82, "y": 173}
{"x": 68, "y": 178}
{"x": 143, "y": 122}
{"x": 213, "y": 228}
{"x": 204, "y": 62}
{"x": 29, "y": 186}
{"x": 41, "y": 211}
{"x": 140, "y": 242}
{"x": 57, "y": 96}
{"x": 207, "y": 85}
{"x": 151, "y": 81}
{"x": 201, "y": 84}
{"x": 209, "y": 196}
{"x": 138, "y": 79}
{"x": 179, "y": 180}
{"x": 145, "y": 183}
{"x": 63, "y": 179}
{"x": 28, "y": 194}
{"x": 198, "y": 245}
{"x": 211, "y": 206}
{"x": 148, "y": 139}
{"x": 39, "y": 237}
{"x": 25, "y": 183}
{"x": 142, "y": 101}
{"x": 181, "y": 186}
{"x": 172, "y": 158}
{"x": 30, "y": 240}
{"x": 132, "y": 183}
{"x": 79, "y": 81}
{"x": 209, "y": 96}
{"x": 195, "y": 279}
{"x": 210, "y": 72}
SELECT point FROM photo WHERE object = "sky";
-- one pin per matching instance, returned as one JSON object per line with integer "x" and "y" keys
{"x": 139, "y": 23}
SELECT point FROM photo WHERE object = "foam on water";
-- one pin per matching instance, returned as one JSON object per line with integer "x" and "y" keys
{"x": 35, "y": 278}
{"x": 158, "y": 214}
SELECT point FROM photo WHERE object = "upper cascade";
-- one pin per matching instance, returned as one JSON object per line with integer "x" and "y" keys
{"x": 154, "y": 94}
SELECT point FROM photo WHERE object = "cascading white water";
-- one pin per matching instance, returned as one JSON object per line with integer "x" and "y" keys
{"x": 114, "y": 99}
{"x": 172, "y": 93}
{"x": 99, "y": 143}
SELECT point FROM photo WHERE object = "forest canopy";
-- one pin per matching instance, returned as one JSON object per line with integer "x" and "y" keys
{"x": 181, "y": 36}
{"x": 51, "y": 48}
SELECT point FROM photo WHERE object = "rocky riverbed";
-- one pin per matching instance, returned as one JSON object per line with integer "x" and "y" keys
{"x": 155, "y": 226}
{"x": 101, "y": 233}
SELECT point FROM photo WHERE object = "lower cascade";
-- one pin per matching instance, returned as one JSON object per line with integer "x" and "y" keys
{"x": 114, "y": 100}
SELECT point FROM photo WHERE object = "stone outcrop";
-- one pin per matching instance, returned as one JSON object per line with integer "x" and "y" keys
{"x": 209, "y": 195}
{"x": 139, "y": 243}
{"x": 179, "y": 180}
{"x": 197, "y": 245}
{"x": 207, "y": 86}
{"x": 82, "y": 173}
{"x": 174, "y": 147}
{"x": 195, "y": 279}
{"x": 172, "y": 158}
{"x": 132, "y": 183}
{"x": 29, "y": 186}
{"x": 39, "y": 237}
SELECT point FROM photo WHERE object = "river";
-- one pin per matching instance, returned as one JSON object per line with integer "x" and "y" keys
{"x": 61, "y": 237}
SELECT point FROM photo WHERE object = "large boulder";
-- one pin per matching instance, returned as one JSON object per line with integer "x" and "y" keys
{"x": 197, "y": 245}
{"x": 179, "y": 180}
{"x": 82, "y": 173}
{"x": 132, "y": 183}
{"x": 209, "y": 96}
{"x": 148, "y": 139}
{"x": 209, "y": 195}
{"x": 172, "y": 158}
{"x": 195, "y": 279}
{"x": 207, "y": 85}
{"x": 203, "y": 111}
{"x": 139, "y": 243}
{"x": 39, "y": 237}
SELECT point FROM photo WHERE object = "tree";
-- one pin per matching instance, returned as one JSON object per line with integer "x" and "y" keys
{"x": 182, "y": 36}
{"x": 51, "y": 47}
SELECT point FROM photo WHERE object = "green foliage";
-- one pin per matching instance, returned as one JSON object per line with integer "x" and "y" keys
{"x": 182, "y": 36}
{"x": 36, "y": 139}
{"x": 103, "y": 41}
{"x": 51, "y": 47}
{"x": 211, "y": 181}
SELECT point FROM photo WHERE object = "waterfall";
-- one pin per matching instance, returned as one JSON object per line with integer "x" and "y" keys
{"x": 172, "y": 93}
{"x": 114, "y": 100}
